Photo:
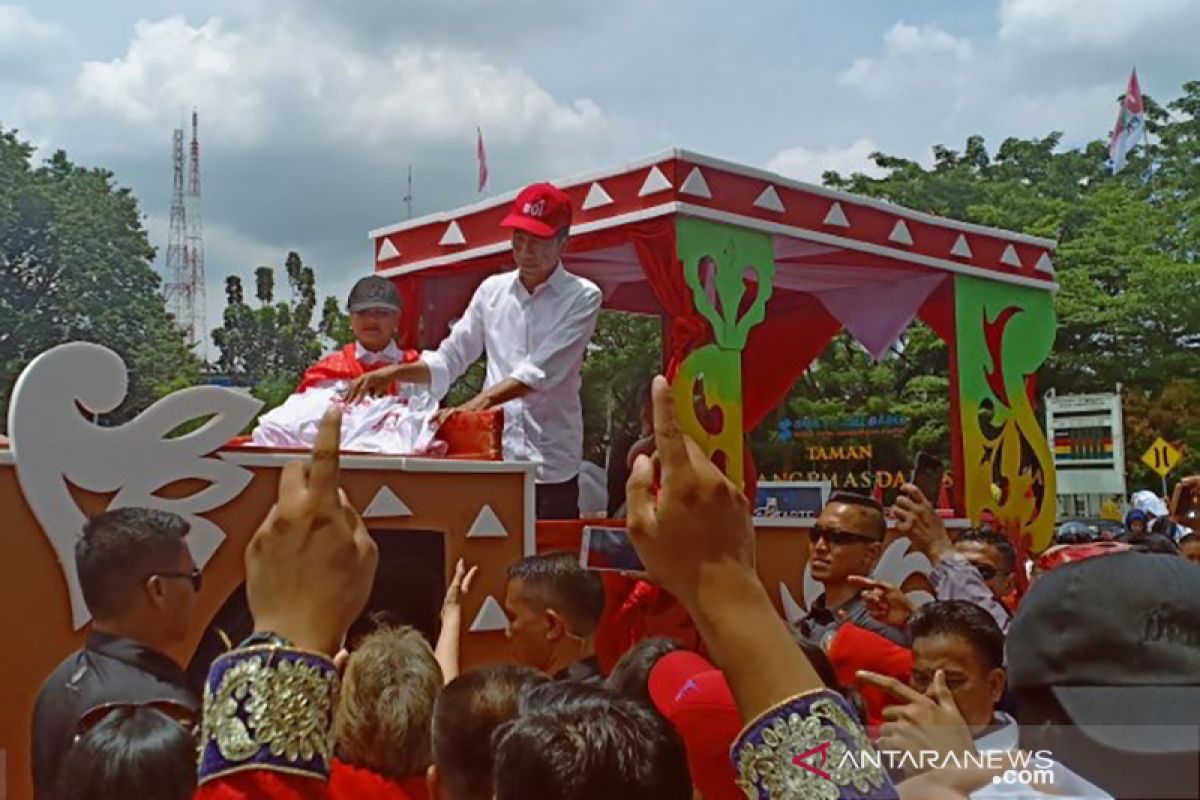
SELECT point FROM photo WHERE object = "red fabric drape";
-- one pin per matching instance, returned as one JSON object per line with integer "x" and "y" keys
{"x": 409, "y": 288}
{"x": 778, "y": 351}
{"x": 686, "y": 330}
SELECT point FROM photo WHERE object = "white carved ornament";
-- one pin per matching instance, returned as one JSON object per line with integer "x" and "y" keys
{"x": 54, "y": 443}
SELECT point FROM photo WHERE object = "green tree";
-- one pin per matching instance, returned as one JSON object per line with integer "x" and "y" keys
{"x": 1127, "y": 262}
{"x": 268, "y": 347}
{"x": 76, "y": 265}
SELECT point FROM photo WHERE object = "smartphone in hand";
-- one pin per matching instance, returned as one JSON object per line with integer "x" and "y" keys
{"x": 609, "y": 549}
{"x": 927, "y": 476}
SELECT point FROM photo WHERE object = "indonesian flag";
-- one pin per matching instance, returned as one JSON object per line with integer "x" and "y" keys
{"x": 481, "y": 156}
{"x": 1131, "y": 125}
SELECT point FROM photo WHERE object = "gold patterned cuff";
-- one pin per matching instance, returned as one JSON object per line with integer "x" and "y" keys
{"x": 809, "y": 747}
{"x": 269, "y": 708}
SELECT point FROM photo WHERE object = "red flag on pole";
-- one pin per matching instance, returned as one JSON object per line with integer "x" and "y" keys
{"x": 1131, "y": 125}
{"x": 481, "y": 156}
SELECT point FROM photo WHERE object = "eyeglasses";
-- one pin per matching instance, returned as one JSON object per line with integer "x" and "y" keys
{"x": 176, "y": 711}
{"x": 194, "y": 576}
{"x": 834, "y": 536}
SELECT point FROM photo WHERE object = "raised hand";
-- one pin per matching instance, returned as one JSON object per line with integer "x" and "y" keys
{"x": 460, "y": 585}
{"x": 886, "y": 603}
{"x": 684, "y": 516}
{"x": 371, "y": 384}
{"x": 916, "y": 519}
{"x": 921, "y": 723}
{"x": 311, "y": 564}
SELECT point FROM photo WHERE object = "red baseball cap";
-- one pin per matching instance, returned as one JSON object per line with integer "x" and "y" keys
{"x": 695, "y": 698}
{"x": 1069, "y": 553}
{"x": 540, "y": 209}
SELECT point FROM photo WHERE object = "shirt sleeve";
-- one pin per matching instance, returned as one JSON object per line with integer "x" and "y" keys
{"x": 555, "y": 358}
{"x": 458, "y": 350}
{"x": 954, "y": 578}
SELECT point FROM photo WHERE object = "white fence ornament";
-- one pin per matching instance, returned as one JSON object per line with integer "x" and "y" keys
{"x": 53, "y": 443}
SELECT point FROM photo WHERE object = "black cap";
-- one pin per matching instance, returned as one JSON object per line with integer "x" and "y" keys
{"x": 1116, "y": 640}
{"x": 373, "y": 292}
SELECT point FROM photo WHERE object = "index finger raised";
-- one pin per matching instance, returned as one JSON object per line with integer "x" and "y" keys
{"x": 668, "y": 437}
{"x": 892, "y": 686}
{"x": 323, "y": 476}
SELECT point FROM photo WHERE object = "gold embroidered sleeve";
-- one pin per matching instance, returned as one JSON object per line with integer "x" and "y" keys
{"x": 268, "y": 708}
{"x": 809, "y": 748}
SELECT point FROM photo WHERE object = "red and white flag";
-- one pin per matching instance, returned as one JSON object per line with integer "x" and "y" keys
{"x": 1131, "y": 125}
{"x": 481, "y": 156}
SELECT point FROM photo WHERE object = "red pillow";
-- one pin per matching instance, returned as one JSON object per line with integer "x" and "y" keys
{"x": 474, "y": 435}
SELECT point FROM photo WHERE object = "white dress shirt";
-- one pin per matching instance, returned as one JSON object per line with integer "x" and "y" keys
{"x": 539, "y": 339}
{"x": 1063, "y": 785}
{"x": 388, "y": 355}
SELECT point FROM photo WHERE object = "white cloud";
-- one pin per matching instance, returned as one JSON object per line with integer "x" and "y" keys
{"x": 1071, "y": 26}
{"x": 20, "y": 28}
{"x": 30, "y": 48}
{"x": 808, "y": 165}
{"x": 912, "y": 57}
{"x": 286, "y": 82}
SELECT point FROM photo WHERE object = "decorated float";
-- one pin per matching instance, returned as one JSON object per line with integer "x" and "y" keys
{"x": 751, "y": 273}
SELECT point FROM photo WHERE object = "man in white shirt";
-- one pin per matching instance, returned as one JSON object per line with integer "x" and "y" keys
{"x": 534, "y": 324}
{"x": 962, "y": 642}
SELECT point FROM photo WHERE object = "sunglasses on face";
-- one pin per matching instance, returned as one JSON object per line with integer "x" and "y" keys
{"x": 986, "y": 572}
{"x": 194, "y": 576}
{"x": 834, "y": 536}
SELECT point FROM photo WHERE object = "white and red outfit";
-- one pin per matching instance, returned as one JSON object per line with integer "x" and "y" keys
{"x": 398, "y": 423}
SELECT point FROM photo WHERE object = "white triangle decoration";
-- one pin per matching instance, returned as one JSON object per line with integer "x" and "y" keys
{"x": 387, "y": 504}
{"x": 453, "y": 235}
{"x": 388, "y": 250}
{"x": 695, "y": 185}
{"x": 900, "y": 234}
{"x": 961, "y": 248}
{"x": 491, "y": 617}
{"x": 769, "y": 201}
{"x": 655, "y": 182}
{"x": 596, "y": 198}
{"x": 1044, "y": 264}
{"x": 837, "y": 216}
{"x": 487, "y": 526}
{"x": 1010, "y": 257}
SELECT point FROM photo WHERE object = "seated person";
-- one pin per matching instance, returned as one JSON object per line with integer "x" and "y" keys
{"x": 401, "y": 425}
{"x": 374, "y": 306}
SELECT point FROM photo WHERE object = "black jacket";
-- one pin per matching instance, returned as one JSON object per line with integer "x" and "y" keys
{"x": 107, "y": 670}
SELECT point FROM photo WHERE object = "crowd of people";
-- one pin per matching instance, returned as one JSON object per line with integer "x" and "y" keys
{"x": 1087, "y": 661}
{"x": 760, "y": 709}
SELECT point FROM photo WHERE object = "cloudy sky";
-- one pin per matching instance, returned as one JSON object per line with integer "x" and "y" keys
{"x": 311, "y": 111}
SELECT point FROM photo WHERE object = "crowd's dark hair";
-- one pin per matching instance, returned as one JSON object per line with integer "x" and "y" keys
{"x": 995, "y": 539}
{"x": 964, "y": 620}
{"x": 579, "y": 742}
{"x": 1154, "y": 543}
{"x": 133, "y": 752}
{"x": 466, "y": 716}
{"x": 557, "y": 581}
{"x": 630, "y": 678}
{"x": 119, "y": 549}
{"x": 1164, "y": 526}
{"x": 828, "y": 675}
{"x": 862, "y": 501}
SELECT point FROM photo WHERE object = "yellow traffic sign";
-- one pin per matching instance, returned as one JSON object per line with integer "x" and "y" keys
{"x": 1162, "y": 457}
